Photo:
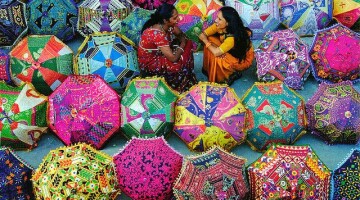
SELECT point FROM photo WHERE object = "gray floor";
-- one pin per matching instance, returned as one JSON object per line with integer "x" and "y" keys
{"x": 330, "y": 155}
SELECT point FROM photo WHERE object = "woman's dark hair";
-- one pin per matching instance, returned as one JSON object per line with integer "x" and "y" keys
{"x": 238, "y": 30}
{"x": 164, "y": 11}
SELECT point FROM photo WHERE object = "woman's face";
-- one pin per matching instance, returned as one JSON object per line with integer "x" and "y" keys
{"x": 220, "y": 21}
{"x": 174, "y": 19}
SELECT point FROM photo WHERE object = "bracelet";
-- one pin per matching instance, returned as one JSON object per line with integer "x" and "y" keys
{"x": 207, "y": 44}
{"x": 180, "y": 49}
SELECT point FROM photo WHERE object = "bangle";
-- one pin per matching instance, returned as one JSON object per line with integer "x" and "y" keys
{"x": 207, "y": 44}
{"x": 180, "y": 49}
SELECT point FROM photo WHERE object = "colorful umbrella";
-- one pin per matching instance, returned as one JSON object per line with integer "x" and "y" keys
{"x": 55, "y": 17}
{"x": 131, "y": 26}
{"x": 289, "y": 172}
{"x": 147, "y": 168}
{"x": 110, "y": 55}
{"x": 75, "y": 172}
{"x": 4, "y": 67}
{"x": 13, "y": 24}
{"x": 210, "y": 114}
{"x": 22, "y": 116}
{"x": 284, "y": 56}
{"x": 335, "y": 54}
{"x": 15, "y": 176}
{"x": 84, "y": 109}
{"x": 151, "y": 4}
{"x": 148, "y": 108}
{"x": 259, "y": 16}
{"x": 214, "y": 174}
{"x": 306, "y": 16}
{"x": 276, "y": 114}
{"x": 102, "y": 15}
{"x": 334, "y": 113}
{"x": 345, "y": 179}
{"x": 195, "y": 16}
{"x": 347, "y": 13}
{"x": 42, "y": 60}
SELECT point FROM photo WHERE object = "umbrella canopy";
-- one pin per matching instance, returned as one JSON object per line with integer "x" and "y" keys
{"x": 110, "y": 55}
{"x": 284, "y": 56}
{"x": 22, "y": 116}
{"x": 75, "y": 172}
{"x": 148, "y": 108}
{"x": 84, "y": 109}
{"x": 289, "y": 172}
{"x": 147, "y": 168}
{"x": 42, "y": 60}
{"x": 102, "y": 15}
{"x": 259, "y": 16}
{"x": 4, "y": 67}
{"x": 275, "y": 114}
{"x": 334, "y": 113}
{"x": 151, "y": 4}
{"x": 210, "y": 114}
{"x": 131, "y": 26}
{"x": 13, "y": 23}
{"x": 306, "y": 16}
{"x": 347, "y": 13}
{"x": 335, "y": 54}
{"x": 215, "y": 174}
{"x": 15, "y": 176}
{"x": 195, "y": 16}
{"x": 345, "y": 179}
{"x": 56, "y": 17}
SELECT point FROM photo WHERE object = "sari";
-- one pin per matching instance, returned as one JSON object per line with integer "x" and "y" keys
{"x": 179, "y": 75}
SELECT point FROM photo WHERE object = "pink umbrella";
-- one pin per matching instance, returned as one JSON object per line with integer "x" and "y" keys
{"x": 84, "y": 109}
{"x": 335, "y": 54}
{"x": 147, "y": 168}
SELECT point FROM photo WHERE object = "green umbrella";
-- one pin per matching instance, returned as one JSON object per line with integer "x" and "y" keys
{"x": 147, "y": 108}
{"x": 22, "y": 116}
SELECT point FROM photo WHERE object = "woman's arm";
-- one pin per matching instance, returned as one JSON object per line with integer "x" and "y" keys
{"x": 212, "y": 48}
{"x": 173, "y": 56}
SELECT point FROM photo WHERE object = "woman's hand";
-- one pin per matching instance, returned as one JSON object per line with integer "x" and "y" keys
{"x": 203, "y": 38}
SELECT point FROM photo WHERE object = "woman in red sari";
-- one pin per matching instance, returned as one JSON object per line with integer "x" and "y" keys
{"x": 165, "y": 51}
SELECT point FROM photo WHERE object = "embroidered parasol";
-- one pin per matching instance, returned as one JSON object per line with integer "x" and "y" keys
{"x": 4, "y": 67}
{"x": 111, "y": 56}
{"x": 289, "y": 172}
{"x": 335, "y": 55}
{"x": 22, "y": 116}
{"x": 131, "y": 26}
{"x": 151, "y": 4}
{"x": 102, "y": 15}
{"x": 334, "y": 113}
{"x": 210, "y": 114}
{"x": 148, "y": 108}
{"x": 42, "y": 60}
{"x": 13, "y": 23}
{"x": 306, "y": 16}
{"x": 345, "y": 178}
{"x": 215, "y": 174}
{"x": 15, "y": 176}
{"x": 282, "y": 55}
{"x": 347, "y": 13}
{"x": 75, "y": 172}
{"x": 84, "y": 109}
{"x": 275, "y": 114}
{"x": 195, "y": 16}
{"x": 147, "y": 168}
{"x": 56, "y": 17}
{"x": 259, "y": 16}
